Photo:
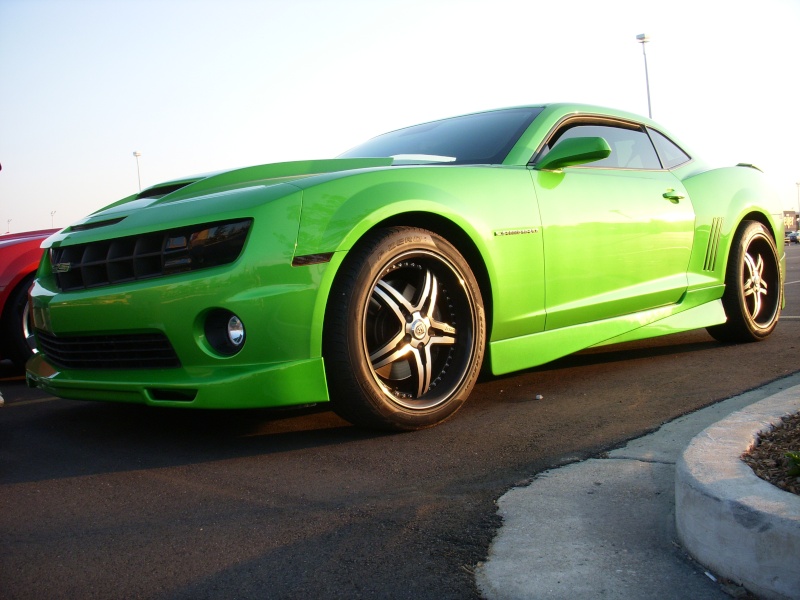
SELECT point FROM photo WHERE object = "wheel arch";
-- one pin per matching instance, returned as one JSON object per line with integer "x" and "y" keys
{"x": 454, "y": 234}
{"x": 733, "y": 195}
{"x": 755, "y": 215}
{"x": 21, "y": 285}
{"x": 436, "y": 223}
{"x": 770, "y": 224}
{"x": 16, "y": 273}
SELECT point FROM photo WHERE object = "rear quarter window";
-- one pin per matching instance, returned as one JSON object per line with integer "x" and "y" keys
{"x": 670, "y": 153}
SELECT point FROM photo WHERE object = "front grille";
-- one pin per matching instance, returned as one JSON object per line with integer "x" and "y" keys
{"x": 130, "y": 351}
{"x": 136, "y": 257}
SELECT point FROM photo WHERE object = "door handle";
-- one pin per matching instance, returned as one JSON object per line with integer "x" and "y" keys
{"x": 673, "y": 196}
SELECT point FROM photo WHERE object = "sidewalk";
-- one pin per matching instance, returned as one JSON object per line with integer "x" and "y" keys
{"x": 605, "y": 528}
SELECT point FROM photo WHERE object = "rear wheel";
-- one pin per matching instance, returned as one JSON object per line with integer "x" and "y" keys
{"x": 753, "y": 292}
{"x": 405, "y": 331}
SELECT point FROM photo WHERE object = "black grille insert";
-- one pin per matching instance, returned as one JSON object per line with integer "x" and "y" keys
{"x": 131, "y": 258}
{"x": 129, "y": 351}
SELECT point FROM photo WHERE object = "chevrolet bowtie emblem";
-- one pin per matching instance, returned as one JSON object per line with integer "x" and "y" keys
{"x": 62, "y": 267}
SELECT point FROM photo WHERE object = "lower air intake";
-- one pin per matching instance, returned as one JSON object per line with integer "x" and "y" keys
{"x": 130, "y": 351}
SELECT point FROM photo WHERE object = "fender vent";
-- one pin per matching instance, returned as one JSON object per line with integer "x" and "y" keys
{"x": 713, "y": 244}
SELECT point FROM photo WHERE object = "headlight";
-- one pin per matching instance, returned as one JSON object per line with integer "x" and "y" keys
{"x": 211, "y": 246}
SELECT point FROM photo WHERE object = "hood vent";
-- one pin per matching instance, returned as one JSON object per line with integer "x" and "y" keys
{"x": 95, "y": 225}
{"x": 162, "y": 190}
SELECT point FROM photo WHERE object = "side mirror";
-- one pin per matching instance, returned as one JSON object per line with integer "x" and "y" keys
{"x": 574, "y": 151}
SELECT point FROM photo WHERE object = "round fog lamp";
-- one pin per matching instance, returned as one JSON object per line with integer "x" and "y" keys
{"x": 235, "y": 331}
{"x": 224, "y": 332}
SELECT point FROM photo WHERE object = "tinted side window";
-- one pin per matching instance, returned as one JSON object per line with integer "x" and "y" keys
{"x": 671, "y": 155}
{"x": 630, "y": 148}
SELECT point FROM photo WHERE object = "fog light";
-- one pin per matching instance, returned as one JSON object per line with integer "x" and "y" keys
{"x": 235, "y": 331}
{"x": 224, "y": 332}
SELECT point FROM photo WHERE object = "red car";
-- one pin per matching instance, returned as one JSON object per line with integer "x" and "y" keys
{"x": 19, "y": 258}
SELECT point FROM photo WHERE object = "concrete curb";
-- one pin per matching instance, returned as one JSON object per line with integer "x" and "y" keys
{"x": 736, "y": 524}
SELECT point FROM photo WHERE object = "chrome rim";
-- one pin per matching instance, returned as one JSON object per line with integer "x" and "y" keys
{"x": 760, "y": 284}
{"x": 418, "y": 329}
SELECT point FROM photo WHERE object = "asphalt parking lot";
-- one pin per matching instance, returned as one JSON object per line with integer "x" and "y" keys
{"x": 102, "y": 500}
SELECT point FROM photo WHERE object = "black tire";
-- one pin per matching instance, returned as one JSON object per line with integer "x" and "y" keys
{"x": 17, "y": 327}
{"x": 405, "y": 331}
{"x": 753, "y": 292}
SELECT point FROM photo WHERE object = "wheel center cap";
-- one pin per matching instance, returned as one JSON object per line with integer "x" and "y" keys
{"x": 419, "y": 329}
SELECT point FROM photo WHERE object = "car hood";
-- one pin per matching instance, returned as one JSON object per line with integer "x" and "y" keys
{"x": 210, "y": 183}
{"x": 11, "y": 239}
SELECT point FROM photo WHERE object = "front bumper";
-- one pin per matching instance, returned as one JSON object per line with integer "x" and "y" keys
{"x": 253, "y": 386}
{"x": 279, "y": 364}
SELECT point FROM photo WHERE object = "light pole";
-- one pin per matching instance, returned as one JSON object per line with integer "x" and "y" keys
{"x": 8, "y": 225}
{"x": 138, "y": 175}
{"x": 52, "y": 212}
{"x": 643, "y": 38}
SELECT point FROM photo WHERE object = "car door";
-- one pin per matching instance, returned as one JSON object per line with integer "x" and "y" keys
{"x": 617, "y": 233}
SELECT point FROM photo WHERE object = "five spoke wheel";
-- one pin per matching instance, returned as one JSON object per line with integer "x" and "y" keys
{"x": 755, "y": 288}
{"x": 404, "y": 348}
{"x": 418, "y": 332}
{"x": 752, "y": 298}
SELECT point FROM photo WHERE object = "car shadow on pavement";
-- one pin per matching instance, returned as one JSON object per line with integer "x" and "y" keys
{"x": 692, "y": 342}
{"x": 50, "y": 438}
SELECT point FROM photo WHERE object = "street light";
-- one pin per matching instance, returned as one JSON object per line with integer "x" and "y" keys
{"x": 138, "y": 175}
{"x": 643, "y": 38}
{"x": 52, "y": 212}
{"x": 8, "y": 225}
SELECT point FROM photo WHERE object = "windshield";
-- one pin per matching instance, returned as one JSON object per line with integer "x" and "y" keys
{"x": 483, "y": 138}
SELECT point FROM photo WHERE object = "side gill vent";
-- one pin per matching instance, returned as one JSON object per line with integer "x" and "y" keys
{"x": 713, "y": 244}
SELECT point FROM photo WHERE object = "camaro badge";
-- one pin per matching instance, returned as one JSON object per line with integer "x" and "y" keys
{"x": 523, "y": 231}
{"x": 62, "y": 267}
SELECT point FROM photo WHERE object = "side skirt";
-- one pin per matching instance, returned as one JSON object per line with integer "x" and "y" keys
{"x": 536, "y": 349}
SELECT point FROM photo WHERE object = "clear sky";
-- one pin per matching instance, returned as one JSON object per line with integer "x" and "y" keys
{"x": 198, "y": 86}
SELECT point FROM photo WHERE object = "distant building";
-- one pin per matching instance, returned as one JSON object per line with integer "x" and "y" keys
{"x": 790, "y": 220}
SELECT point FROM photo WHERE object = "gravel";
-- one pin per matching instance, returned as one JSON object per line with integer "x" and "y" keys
{"x": 768, "y": 457}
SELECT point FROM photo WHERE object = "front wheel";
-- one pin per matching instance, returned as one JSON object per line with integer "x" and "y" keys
{"x": 17, "y": 326}
{"x": 753, "y": 292}
{"x": 404, "y": 331}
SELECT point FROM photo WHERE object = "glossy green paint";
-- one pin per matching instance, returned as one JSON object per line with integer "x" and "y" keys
{"x": 567, "y": 258}
{"x": 517, "y": 353}
{"x": 227, "y": 386}
{"x": 498, "y": 200}
{"x": 614, "y": 232}
{"x": 265, "y": 284}
{"x": 733, "y": 194}
{"x": 575, "y": 151}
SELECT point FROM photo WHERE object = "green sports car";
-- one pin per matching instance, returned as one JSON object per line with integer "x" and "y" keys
{"x": 382, "y": 281}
